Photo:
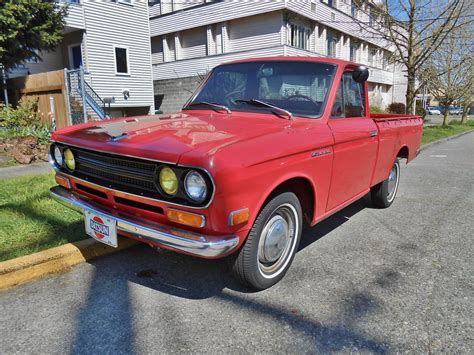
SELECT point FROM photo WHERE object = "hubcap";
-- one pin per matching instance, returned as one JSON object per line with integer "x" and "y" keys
{"x": 276, "y": 236}
{"x": 277, "y": 241}
{"x": 392, "y": 182}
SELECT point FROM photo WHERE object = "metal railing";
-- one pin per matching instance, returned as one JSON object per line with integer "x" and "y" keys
{"x": 82, "y": 96}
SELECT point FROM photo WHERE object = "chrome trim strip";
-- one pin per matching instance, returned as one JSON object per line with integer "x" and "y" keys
{"x": 201, "y": 245}
{"x": 157, "y": 161}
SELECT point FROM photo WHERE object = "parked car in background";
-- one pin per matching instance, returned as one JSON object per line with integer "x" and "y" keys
{"x": 263, "y": 147}
{"x": 433, "y": 110}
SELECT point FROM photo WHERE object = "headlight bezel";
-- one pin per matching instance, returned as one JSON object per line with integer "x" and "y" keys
{"x": 56, "y": 149}
{"x": 186, "y": 188}
{"x": 181, "y": 197}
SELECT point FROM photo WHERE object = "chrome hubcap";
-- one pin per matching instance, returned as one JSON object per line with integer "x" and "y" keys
{"x": 276, "y": 236}
{"x": 277, "y": 241}
{"x": 392, "y": 182}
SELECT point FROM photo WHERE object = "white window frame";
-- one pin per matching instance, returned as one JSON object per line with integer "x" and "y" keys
{"x": 128, "y": 60}
{"x": 69, "y": 53}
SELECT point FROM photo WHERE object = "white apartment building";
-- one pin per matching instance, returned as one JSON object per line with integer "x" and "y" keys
{"x": 190, "y": 37}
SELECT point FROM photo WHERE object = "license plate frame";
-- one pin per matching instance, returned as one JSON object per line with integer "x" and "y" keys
{"x": 101, "y": 228}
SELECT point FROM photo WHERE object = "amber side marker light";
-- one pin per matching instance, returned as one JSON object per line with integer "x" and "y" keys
{"x": 186, "y": 218}
{"x": 63, "y": 181}
{"x": 239, "y": 217}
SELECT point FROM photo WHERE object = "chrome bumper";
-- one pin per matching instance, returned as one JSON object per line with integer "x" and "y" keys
{"x": 197, "y": 244}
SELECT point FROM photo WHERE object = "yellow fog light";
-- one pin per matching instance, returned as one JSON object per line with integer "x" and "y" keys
{"x": 168, "y": 181}
{"x": 69, "y": 159}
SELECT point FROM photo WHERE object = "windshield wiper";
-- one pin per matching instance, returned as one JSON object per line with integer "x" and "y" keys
{"x": 215, "y": 107}
{"x": 275, "y": 109}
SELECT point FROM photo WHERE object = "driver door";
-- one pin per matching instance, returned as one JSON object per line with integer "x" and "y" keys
{"x": 355, "y": 143}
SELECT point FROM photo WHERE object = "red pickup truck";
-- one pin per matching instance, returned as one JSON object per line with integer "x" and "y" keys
{"x": 263, "y": 146}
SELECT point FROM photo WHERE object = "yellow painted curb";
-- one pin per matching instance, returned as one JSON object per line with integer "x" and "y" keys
{"x": 30, "y": 267}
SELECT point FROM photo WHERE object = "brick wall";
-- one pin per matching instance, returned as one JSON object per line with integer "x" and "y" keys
{"x": 171, "y": 94}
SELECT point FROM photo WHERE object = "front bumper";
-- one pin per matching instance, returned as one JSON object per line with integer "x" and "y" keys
{"x": 155, "y": 233}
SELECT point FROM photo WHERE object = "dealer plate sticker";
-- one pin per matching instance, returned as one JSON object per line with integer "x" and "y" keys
{"x": 101, "y": 228}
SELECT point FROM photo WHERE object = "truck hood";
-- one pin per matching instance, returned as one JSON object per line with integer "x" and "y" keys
{"x": 167, "y": 138}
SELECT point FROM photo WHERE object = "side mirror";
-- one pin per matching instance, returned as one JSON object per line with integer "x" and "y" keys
{"x": 361, "y": 74}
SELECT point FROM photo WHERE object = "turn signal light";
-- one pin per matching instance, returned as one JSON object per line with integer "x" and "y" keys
{"x": 63, "y": 181}
{"x": 186, "y": 218}
{"x": 239, "y": 217}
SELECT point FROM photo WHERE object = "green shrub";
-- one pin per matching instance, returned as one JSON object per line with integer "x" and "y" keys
{"x": 376, "y": 109}
{"x": 23, "y": 120}
{"x": 24, "y": 115}
{"x": 397, "y": 107}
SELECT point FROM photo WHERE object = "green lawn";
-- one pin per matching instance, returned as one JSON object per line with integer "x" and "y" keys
{"x": 30, "y": 220}
{"x": 434, "y": 133}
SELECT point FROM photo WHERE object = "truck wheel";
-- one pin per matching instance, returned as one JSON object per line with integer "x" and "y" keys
{"x": 271, "y": 244}
{"x": 384, "y": 193}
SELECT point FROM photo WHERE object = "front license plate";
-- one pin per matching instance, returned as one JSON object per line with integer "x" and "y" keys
{"x": 101, "y": 228}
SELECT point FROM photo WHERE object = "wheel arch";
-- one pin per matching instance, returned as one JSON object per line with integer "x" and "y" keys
{"x": 302, "y": 187}
{"x": 403, "y": 153}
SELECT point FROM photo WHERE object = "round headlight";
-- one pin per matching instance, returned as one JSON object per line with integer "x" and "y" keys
{"x": 69, "y": 159}
{"x": 168, "y": 181}
{"x": 195, "y": 186}
{"x": 58, "y": 156}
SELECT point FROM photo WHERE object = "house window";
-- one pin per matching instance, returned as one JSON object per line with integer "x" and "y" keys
{"x": 331, "y": 44}
{"x": 354, "y": 49}
{"x": 121, "y": 60}
{"x": 299, "y": 36}
{"x": 373, "y": 57}
{"x": 353, "y": 8}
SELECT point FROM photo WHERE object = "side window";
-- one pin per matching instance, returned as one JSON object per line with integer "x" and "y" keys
{"x": 350, "y": 99}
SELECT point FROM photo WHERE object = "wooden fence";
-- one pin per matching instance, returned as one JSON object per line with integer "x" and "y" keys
{"x": 50, "y": 88}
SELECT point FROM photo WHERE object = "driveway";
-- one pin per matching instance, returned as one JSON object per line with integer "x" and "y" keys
{"x": 366, "y": 279}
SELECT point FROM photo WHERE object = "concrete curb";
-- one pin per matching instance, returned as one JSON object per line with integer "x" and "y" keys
{"x": 30, "y": 267}
{"x": 426, "y": 146}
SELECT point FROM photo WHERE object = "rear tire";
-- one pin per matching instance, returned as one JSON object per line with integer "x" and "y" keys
{"x": 271, "y": 244}
{"x": 384, "y": 194}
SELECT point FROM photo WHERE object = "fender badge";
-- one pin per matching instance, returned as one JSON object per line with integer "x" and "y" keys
{"x": 321, "y": 152}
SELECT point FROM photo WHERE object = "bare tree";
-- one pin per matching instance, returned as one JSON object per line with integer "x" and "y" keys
{"x": 414, "y": 30}
{"x": 449, "y": 71}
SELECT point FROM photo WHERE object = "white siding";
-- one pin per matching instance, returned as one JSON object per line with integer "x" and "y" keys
{"x": 254, "y": 32}
{"x": 211, "y": 13}
{"x": 154, "y": 8}
{"x": 112, "y": 24}
{"x": 199, "y": 66}
{"x": 193, "y": 43}
{"x": 75, "y": 17}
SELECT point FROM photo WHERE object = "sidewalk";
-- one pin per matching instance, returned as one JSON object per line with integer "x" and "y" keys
{"x": 23, "y": 170}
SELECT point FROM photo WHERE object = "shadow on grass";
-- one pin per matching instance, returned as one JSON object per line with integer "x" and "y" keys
{"x": 58, "y": 228}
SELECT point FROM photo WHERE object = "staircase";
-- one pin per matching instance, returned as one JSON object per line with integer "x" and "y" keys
{"x": 84, "y": 103}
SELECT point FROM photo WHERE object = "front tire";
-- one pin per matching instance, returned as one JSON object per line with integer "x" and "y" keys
{"x": 383, "y": 194}
{"x": 271, "y": 244}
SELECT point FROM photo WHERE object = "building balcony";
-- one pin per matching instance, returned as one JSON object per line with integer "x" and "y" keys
{"x": 75, "y": 17}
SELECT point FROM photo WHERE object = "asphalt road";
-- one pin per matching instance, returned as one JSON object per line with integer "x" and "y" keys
{"x": 367, "y": 280}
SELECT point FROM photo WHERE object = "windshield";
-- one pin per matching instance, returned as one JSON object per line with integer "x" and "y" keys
{"x": 299, "y": 87}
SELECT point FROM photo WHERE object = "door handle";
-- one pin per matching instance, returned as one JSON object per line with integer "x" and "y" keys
{"x": 373, "y": 133}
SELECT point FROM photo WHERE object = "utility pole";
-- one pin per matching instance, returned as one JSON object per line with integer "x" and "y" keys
{"x": 5, "y": 91}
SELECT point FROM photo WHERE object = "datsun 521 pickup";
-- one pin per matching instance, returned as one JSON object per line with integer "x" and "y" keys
{"x": 263, "y": 147}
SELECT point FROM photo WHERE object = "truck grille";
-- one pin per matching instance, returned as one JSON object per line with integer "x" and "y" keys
{"x": 117, "y": 172}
